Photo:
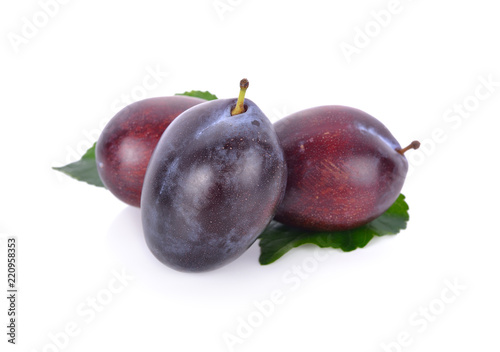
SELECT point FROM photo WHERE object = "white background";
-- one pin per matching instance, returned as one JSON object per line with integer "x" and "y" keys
{"x": 64, "y": 78}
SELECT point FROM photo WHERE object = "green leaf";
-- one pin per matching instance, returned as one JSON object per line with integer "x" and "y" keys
{"x": 199, "y": 94}
{"x": 277, "y": 239}
{"x": 84, "y": 169}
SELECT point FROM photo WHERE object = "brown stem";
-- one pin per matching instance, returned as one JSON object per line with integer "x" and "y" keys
{"x": 412, "y": 145}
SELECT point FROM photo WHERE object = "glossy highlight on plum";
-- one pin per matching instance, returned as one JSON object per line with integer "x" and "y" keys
{"x": 345, "y": 168}
{"x": 214, "y": 182}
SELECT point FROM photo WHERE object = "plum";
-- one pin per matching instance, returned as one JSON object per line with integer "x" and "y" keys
{"x": 212, "y": 185}
{"x": 128, "y": 140}
{"x": 344, "y": 168}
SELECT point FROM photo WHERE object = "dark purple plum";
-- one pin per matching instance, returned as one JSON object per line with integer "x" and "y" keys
{"x": 212, "y": 185}
{"x": 128, "y": 140}
{"x": 344, "y": 168}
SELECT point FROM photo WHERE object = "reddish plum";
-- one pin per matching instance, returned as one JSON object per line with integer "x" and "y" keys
{"x": 128, "y": 140}
{"x": 344, "y": 168}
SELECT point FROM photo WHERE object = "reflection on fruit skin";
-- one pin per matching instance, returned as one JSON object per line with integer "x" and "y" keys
{"x": 213, "y": 184}
{"x": 128, "y": 140}
{"x": 344, "y": 169}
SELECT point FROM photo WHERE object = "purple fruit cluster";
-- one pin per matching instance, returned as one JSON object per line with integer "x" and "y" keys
{"x": 209, "y": 180}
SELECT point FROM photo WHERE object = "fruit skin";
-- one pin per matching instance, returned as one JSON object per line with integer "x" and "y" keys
{"x": 128, "y": 140}
{"x": 343, "y": 168}
{"x": 213, "y": 184}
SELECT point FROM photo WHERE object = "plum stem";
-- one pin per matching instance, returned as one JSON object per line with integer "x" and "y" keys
{"x": 240, "y": 104}
{"x": 412, "y": 145}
